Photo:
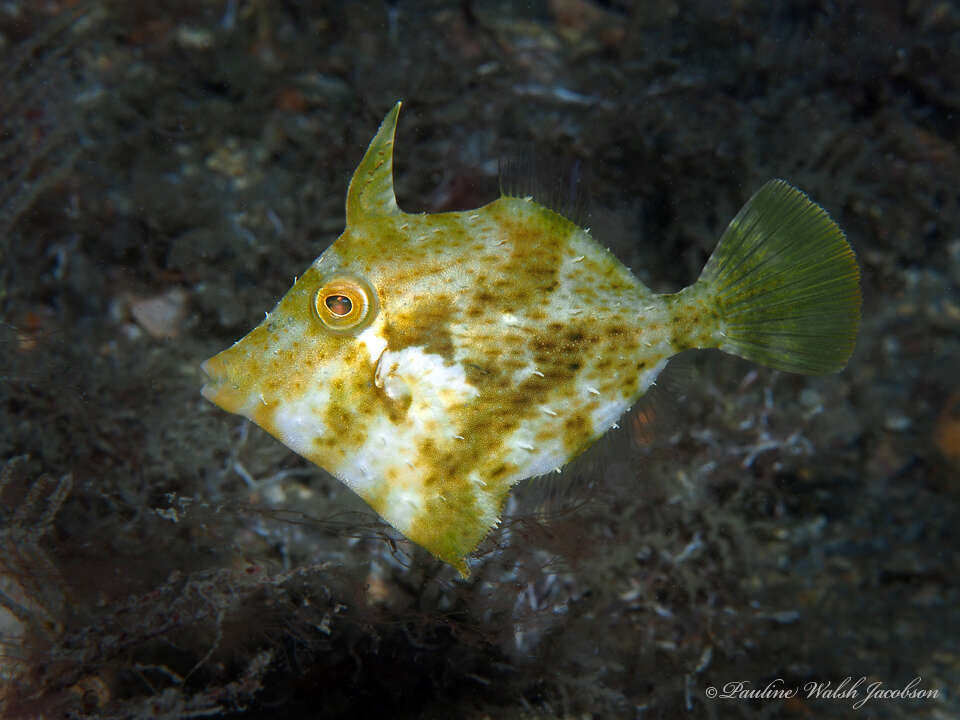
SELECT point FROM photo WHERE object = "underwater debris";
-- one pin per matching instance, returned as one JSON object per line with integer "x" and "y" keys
{"x": 30, "y": 586}
{"x": 32, "y": 598}
{"x": 40, "y": 113}
{"x": 162, "y": 315}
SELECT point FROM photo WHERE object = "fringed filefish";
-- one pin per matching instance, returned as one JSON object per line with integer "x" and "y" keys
{"x": 432, "y": 361}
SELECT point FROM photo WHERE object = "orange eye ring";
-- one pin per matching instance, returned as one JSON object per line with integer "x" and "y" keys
{"x": 345, "y": 304}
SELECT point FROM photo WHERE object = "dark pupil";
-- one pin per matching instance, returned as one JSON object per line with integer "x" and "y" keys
{"x": 339, "y": 305}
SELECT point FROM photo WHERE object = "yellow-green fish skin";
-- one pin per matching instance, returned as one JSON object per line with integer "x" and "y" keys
{"x": 499, "y": 344}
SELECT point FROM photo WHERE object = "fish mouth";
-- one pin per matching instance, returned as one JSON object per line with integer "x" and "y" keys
{"x": 218, "y": 388}
{"x": 213, "y": 379}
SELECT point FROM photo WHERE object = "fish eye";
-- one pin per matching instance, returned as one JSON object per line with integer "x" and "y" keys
{"x": 339, "y": 305}
{"x": 345, "y": 304}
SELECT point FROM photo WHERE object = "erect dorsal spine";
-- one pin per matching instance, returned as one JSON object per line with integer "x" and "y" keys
{"x": 371, "y": 189}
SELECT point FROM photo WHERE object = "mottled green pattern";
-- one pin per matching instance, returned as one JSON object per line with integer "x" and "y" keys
{"x": 502, "y": 341}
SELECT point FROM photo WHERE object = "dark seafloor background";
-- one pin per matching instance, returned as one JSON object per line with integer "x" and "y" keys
{"x": 168, "y": 167}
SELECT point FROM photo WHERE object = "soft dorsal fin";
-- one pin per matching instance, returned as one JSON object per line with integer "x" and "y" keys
{"x": 555, "y": 184}
{"x": 371, "y": 189}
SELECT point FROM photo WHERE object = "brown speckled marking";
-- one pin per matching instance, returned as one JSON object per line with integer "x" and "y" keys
{"x": 426, "y": 324}
{"x": 693, "y": 319}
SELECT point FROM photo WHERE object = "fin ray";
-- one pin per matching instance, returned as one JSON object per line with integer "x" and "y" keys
{"x": 785, "y": 284}
{"x": 555, "y": 184}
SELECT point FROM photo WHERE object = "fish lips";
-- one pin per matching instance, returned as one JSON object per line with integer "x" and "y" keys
{"x": 220, "y": 389}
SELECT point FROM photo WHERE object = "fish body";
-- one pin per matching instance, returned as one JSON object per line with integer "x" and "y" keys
{"x": 432, "y": 361}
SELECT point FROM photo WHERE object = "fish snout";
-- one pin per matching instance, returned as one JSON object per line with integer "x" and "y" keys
{"x": 220, "y": 389}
